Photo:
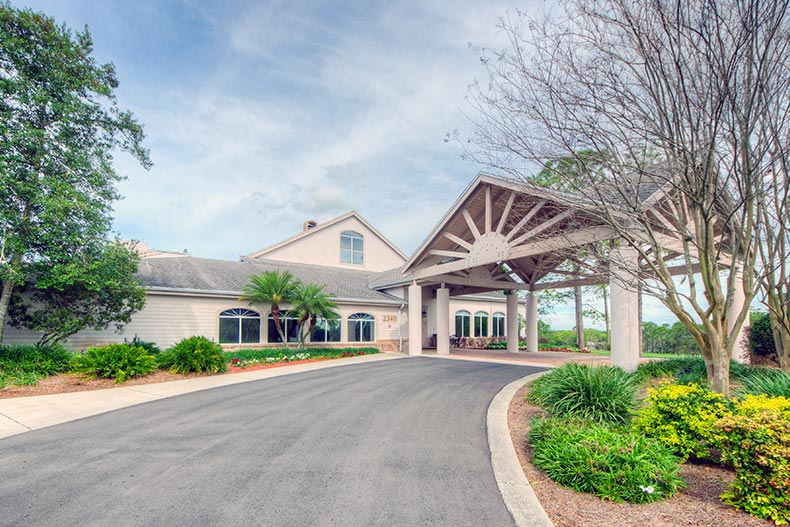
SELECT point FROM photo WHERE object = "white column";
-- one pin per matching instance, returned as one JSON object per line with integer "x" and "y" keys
{"x": 511, "y": 323}
{"x": 739, "y": 350}
{"x": 415, "y": 319}
{"x": 532, "y": 321}
{"x": 443, "y": 321}
{"x": 624, "y": 306}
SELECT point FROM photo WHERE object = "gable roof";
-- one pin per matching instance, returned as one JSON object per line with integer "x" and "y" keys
{"x": 320, "y": 227}
{"x": 203, "y": 275}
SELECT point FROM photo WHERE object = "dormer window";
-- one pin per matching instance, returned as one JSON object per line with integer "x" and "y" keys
{"x": 351, "y": 244}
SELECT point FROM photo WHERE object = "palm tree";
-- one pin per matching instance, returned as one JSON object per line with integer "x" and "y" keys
{"x": 310, "y": 302}
{"x": 271, "y": 288}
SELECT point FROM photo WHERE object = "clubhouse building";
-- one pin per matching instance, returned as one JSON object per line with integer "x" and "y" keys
{"x": 475, "y": 277}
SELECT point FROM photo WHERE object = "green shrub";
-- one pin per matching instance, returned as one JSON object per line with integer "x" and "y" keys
{"x": 115, "y": 361}
{"x": 758, "y": 447}
{"x": 682, "y": 416}
{"x": 24, "y": 364}
{"x": 611, "y": 462}
{"x": 197, "y": 354}
{"x": 768, "y": 381}
{"x": 150, "y": 347}
{"x": 264, "y": 353}
{"x": 760, "y": 336}
{"x": 686, "y": 370}
{"x": 598, "y": 393}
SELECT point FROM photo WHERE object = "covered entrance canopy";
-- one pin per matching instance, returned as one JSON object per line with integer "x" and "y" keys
{"x": 505, "y": 235}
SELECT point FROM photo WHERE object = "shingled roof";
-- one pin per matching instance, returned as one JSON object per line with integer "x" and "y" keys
{"x": 205, "y": 275}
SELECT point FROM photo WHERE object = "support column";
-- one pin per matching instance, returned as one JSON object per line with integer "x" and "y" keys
{"x": 532, "y": 321}
{"x": 624, "y": 302}
{"x": 443, "y": 321}
{"x": 415, "y": 319}
{"x": 739, "y": 350}
{"x": 511, "y": 322}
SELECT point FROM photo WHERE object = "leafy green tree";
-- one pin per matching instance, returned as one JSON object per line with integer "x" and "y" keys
{"x": 310, "y": 302}
{"x": 271, "y": 288}
{"x": 59, "y": 127}
{"x": 91, "y": 290}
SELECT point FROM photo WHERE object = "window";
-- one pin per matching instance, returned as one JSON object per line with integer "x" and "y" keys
{"x": 239, "y": 326}
{"x": 361, "y": 328}
{"x": 481, "y": 324}
{"x": 326, "y": 330}
{"x": 351, "y": 247}
{"x": 290, "y": 328}
{"x": 462, "y": 324}
{"x": 499, "y": 325}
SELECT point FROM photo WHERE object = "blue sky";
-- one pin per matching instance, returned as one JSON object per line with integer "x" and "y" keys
{"x": 260, "y": 115}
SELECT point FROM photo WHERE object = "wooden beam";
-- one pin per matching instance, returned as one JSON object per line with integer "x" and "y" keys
{"x": 505, "y": 213}
{"x": 543, "y": 226}
{"x": 449, "y": 254}
{"x": 528, "y": 216}
{"x": 488, "y": 209}
{"x": 460, "y": 241}
{"x": 471, "y": 223}
{"x": 565, "y": 284}
{"x": 565, "y": 241}
{"x": 491, "y": 285}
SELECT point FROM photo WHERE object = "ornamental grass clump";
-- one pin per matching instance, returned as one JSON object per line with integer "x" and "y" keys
{"x": 609, "y": 461}
{"x": 768, "y": 381}
{"x": 116, "y": 361}
{"x": 756, "y": 442}
{"x": 599, "y": 393}
{"x": 193, "y": 354}
{"x": 682, "y": 416}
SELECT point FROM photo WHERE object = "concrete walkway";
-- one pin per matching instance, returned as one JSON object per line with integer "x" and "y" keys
{"x": 21, "y": 414}
{"x": 542, "y": 359}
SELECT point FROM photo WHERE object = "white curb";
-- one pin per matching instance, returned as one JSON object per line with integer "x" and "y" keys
{"x": 516, "y": 491}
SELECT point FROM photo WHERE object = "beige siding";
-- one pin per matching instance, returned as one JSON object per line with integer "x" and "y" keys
{"x": 322, "y": 247}
{"x": 168, "y": 318}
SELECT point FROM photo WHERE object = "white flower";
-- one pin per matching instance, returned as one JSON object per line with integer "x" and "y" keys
{"x": 649, "y": 489}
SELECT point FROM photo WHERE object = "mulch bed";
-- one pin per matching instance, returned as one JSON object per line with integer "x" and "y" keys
{"x": 698, "y": 505}
{"x": 67, "y": 382}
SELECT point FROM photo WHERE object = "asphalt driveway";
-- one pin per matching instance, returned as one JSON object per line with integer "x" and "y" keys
{"x": 393, "y": 443}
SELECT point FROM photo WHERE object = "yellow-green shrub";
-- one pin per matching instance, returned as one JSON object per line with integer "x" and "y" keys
{"x": 757, "y": 445}
{"x": 753, "y": 404}
{"x": 682, "y": 416}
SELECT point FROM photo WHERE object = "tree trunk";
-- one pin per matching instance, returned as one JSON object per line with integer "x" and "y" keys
{"x": 276, "y": 318}
{"x": 717, "y": 362}
{"x": 577, "y": 295}
{"x": 5, "y": 301}
{"x": 605, "y": 296}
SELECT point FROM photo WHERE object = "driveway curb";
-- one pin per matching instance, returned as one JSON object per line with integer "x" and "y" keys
{"x": 516, "y": 491}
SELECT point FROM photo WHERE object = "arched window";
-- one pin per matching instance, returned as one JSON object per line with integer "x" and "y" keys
{"x": 361, "y": 328}
{"x": 290, "y": 327}
{"x": 239, "y": 326}
{"x": 351, "y": 245}
{"x": 499, "y": 325}
{"x": 481, "y": 324}
{"x": 326, "y": 330}
{"x": 462, "y": 324}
